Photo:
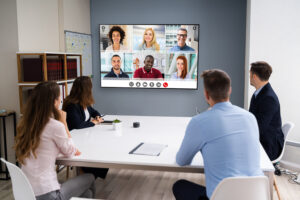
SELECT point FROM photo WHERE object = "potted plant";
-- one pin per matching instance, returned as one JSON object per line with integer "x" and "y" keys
{"x": 117, "y": 124}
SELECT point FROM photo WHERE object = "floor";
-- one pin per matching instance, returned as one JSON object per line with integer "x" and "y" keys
{"x": 144, "y": 185}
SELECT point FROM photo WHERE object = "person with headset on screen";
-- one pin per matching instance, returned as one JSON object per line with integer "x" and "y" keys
{"x": 116, "y": 71}
{"x": 181, "y": 39}
{"x": 116, "y": 36}
{"x": 147, "y": 71}
{"x": 226, "y": 135}
{"x": 149, "y": 41}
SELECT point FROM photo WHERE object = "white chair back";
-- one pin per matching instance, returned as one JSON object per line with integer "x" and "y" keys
{"x": 22, "y": 189}
{"x": 246, "y": 188}
{"x": 286, "y": 129}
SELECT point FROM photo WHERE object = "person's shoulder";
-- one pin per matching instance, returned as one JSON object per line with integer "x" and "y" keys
{"x": 54, "y": 124}
{"x": 109, "y": 74}
{"x": 139, "y": 69}
{"x": 188, "y": 48}
{"x": 109, "y": 47}
{"x": 125, "y": 75}
{"x": 72, "y": 106}
{"x": 243, "y": 112}
{"x": 156, "y": 70}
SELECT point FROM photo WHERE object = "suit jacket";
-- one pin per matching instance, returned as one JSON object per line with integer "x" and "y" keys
{"x": 266, "y": 108}
{"x": 76, "y": 116}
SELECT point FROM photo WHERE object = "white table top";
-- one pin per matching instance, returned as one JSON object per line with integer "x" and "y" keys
{"x": 101, "y": 146}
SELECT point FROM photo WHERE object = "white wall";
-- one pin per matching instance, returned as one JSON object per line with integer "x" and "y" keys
{"x": 77, "y": 16}
{"x": 33, "y": 25}
{"x": 274, "y": 37}
{"x": 9, "y": 96}
{"x": 38, "y": 25}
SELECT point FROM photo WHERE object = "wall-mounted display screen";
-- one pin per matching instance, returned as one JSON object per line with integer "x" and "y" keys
{"x": 149, "y": 56}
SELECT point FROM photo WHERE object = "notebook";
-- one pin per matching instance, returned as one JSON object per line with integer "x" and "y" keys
{"x": 149, "y": 149}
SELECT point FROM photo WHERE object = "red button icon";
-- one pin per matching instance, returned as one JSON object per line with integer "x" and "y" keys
{"x": 165, "y": 84}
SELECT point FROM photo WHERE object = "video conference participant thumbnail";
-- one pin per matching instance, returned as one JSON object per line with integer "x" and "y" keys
{"x": 181, "y": 69}
{"x": 116, "y": 71}
{"x": 149, "y": 41}
{"x": 147, "y": 71}
{"x": 181, "y": 41}
{"x": 116, "y": 36}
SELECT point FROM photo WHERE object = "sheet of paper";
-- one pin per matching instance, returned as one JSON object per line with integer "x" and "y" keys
{"x": 150, "y": 149}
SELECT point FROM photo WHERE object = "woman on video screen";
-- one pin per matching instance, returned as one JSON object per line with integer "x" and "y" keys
{"x": 116, "y": 36}
{"x": 181, "y": 72}
{"x": 149, "y": 41}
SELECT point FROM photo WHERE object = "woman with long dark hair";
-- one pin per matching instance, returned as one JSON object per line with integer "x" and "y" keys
{"x": 43, "y": 135}
{"x": 81, "y": 114}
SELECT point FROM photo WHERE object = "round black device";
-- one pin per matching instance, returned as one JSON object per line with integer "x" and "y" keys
{"x": 136, "y": 124}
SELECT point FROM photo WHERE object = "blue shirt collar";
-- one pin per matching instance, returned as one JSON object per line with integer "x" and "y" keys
{"x": 258, "y": 90}
{"x": 222, "y": 104}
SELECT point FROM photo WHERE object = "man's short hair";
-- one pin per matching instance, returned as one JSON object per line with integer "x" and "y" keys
{"x": 217, "y": 84}
{"x": 149, "y": 56}
{"x": 262, "y": 69}
{"x": 182, "y": 29}
{"x": 116, "y": 55}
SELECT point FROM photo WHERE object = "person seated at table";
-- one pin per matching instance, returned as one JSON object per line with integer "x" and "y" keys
{"x": 42, "y": 135}
{"x": 147, "y": 71}
{"x": 80, "y": 113}
{"x": 181, "y": 72}
{"x": 116, "y": 36}
{"x": 226, "y": 135}
{"x": 78, "y": 105}
{"x": 149, "y": 41}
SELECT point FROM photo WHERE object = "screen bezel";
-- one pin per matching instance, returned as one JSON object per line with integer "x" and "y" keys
{"x": 197, "y": 85}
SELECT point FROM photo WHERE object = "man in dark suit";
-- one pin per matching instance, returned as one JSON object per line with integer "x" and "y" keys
{"x": 266, "y": 108}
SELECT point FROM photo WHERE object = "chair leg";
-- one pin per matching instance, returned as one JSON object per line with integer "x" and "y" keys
{"x": 276, "y": 188}
{"x": 67, "y": 174}
{"x": 277, "y": 170}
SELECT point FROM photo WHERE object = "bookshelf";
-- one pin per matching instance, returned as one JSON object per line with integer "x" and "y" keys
{"x": 35, "y": 67}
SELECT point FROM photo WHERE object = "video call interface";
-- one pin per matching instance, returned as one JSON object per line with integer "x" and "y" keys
{"x": 149, "y": 56}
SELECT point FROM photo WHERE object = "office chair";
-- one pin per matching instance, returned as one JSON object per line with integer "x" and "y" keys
{"x": 22, "y": 189}
{"x": 286, "y": 129}
{"x": 246, "y": 188}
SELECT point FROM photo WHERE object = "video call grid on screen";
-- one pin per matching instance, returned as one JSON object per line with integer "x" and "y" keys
{"x": 149, "y": 56}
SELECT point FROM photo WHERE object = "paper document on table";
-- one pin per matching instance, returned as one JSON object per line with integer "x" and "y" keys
{"x": 149, "y": 149}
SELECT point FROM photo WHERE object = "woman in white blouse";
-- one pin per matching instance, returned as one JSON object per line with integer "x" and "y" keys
{"x": 42, "y": 135}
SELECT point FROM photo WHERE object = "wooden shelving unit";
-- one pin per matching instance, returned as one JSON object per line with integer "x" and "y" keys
{"x": 44, "y": 56}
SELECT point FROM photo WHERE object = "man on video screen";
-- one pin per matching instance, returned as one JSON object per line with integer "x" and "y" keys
{"x": 116, "y": 71}
{"x": 181, "y": 38}
{"x": 147, "y": 71}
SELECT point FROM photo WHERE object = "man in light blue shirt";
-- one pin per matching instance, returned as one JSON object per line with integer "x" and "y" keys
{"x": 226, "y": 135}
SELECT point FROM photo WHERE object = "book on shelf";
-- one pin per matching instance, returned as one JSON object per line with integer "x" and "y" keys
{"x": 32, "y": 69}
{"x": 72, "y": 68}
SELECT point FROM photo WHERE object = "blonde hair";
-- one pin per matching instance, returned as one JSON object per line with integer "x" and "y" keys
{"x": 153, "y": 41}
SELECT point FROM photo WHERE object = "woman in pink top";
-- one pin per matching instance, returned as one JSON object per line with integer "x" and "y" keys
{"x": 42, "y": 135}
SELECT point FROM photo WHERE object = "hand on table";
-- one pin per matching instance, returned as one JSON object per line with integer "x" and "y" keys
{"x": 97, "y": 120}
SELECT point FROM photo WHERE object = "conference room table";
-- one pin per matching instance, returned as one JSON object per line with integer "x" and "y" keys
{"x": 102, "y": 146}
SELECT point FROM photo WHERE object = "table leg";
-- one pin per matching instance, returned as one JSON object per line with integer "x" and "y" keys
{"x": 270, "y": 176}
{"x": 15, "y": 132}
{"x": 5, "y": 145}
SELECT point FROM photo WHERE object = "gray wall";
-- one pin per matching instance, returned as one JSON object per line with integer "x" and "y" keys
{"x": 222, "y": 45}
